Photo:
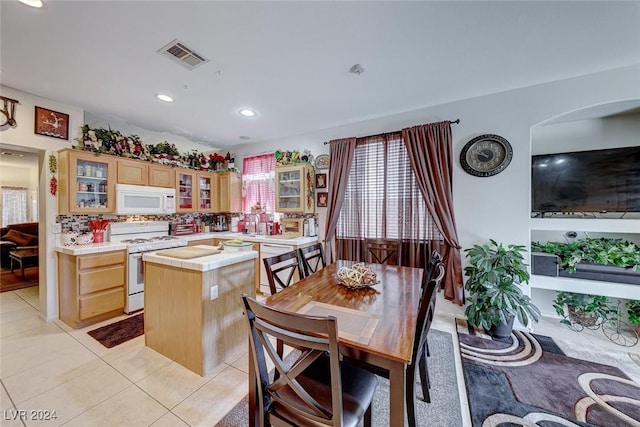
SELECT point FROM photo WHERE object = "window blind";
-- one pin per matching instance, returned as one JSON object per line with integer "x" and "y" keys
{"x": 382, "y": 200}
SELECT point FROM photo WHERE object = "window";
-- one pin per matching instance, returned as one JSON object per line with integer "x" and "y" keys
{"x": 382, "y": 200}
{"x": 14, "y": 205}
{"x": 258, "y": 182}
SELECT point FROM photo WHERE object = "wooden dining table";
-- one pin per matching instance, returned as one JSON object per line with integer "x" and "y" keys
{"x": 386, "y": 313}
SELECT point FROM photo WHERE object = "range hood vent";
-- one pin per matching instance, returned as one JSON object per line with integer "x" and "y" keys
{"x": 183, "y": 55}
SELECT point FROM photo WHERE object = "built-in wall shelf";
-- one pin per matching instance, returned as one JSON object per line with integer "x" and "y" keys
{"x": 604, "y": 225}
{"x": 582, "y": 286}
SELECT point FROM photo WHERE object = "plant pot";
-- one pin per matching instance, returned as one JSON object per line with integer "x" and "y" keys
{"x": 502, "y": 331}
{"x": 607, "y": 273}
{"x": 586, "y": 319}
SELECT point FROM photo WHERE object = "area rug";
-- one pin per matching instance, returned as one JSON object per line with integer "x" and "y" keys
{"x": 443, "y": 411}
{"x": 13, "y": 281}
{"x": 119, "y": 332}
{"x": 531, "y": 382}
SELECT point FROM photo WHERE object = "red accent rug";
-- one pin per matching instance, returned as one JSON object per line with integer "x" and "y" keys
{"x": 119, "y": 332}
{"x": 13, "y": 281}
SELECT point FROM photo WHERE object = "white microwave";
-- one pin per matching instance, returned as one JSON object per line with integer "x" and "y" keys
{"x": 141, "y": 200}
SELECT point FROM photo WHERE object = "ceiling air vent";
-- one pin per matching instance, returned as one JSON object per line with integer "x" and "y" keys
{"x": 183, "y": 55}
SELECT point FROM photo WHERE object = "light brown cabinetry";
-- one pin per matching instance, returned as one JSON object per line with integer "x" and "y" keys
{"x": 86, "y": 182}
{"x": 162, "y": 176}
{"x": 186, "y": 189}
{"x": 208, "y": 242}
{"x": 229, "y": 192}
{"x": 137, "y": 172}
{"x": 295, "y": 189}
{"x": 207, "y": 192}
{"x": 183, "y": 323}
{"x": 255, "y": 247}
{"x": 133, "y": 172}
{"x": 91, "y": 287}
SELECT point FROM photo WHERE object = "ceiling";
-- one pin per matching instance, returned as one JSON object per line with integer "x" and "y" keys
{"x": 290, "y": 61}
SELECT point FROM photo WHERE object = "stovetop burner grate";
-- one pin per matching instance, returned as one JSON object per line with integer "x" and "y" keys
{"x": 136, "y": 240}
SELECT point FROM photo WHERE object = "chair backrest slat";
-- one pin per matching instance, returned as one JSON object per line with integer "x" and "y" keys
{"x": 427, "y": 307}
{"x": 289, "y": 264}
{"x": 382, "y": 251}
{"x": 312, "y": 258}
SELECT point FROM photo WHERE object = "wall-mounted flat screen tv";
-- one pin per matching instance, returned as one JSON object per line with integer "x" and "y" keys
{"x": 587, "y": 181}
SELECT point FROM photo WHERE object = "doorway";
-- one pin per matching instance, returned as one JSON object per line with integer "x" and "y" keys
{"x": 19, "y": 209}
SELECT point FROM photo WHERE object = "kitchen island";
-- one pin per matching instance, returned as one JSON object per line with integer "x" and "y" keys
{"x": 193, "y": 311}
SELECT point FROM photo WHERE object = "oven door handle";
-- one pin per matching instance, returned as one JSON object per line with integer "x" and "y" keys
{"x": 138, "y": 256}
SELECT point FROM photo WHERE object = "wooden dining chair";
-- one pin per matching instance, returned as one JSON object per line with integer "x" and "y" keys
{"x": 382, "y": 251}
{"x": 312, "y": 258}
{"x": 317, "y": 389}
{"x": 288, "y": 264}
{"x": 426, "y": 313}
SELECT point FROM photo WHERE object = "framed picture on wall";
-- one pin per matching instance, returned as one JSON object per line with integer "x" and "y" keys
{"x": 322, "y": 200}
{"x": 321, "y": 180}
{"x": 51, "y": 123}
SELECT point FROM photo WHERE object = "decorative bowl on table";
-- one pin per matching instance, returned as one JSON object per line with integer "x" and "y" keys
{"x": 234, "y": 246}
{"x": 357, "y": 276}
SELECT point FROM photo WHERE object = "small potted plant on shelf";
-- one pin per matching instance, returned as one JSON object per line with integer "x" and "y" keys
{"x": 633, "y": 310}
{"x": 581, "y": 311}
{"x": 495, "y": 298}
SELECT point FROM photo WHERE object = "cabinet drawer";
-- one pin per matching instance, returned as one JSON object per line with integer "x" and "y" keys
{"x": 100, "y": 260}
{"x": 103, "y": 302}
{"x": 100, "y": 279}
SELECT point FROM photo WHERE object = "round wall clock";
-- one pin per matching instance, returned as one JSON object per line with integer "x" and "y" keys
{"x": 486, "y": 155}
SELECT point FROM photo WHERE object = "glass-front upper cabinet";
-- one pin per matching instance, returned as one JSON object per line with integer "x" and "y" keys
{"x": 206, "y": 192}
{"x": 295, "y": 189}
{"x": 87, "y": 182}
{"x": 186, "y": 183}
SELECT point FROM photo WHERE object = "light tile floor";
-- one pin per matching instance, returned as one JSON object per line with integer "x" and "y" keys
{"x": 51, "y": 367}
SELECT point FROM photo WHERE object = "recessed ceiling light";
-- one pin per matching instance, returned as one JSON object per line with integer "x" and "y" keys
{"x": 245, "y": 137}
{"x": 247, "y": 112}
{"x": 163, "y": 97}
{"x": 32, "y": 3}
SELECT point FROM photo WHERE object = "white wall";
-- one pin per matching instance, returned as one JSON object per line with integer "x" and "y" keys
{"x": 22, "y": 135}
{"x": 148, "y": 137}
{"x": 594, "y": 134}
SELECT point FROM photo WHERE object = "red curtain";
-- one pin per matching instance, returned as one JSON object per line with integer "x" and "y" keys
{"x": 431, "y": 156}
{"x": 258, "y": 176}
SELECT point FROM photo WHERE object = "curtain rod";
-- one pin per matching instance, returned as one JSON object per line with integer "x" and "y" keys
{"x": 452, "y": 122}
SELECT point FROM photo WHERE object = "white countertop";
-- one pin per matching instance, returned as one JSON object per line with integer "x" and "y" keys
{"x": 205, "y": 263}
{"x": 283, "y": 240}
{"x": 116, "y": 246}
{"x": 91, "y": 249}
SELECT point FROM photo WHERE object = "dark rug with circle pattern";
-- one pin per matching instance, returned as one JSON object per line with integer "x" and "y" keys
{"x": 531, "y": 382}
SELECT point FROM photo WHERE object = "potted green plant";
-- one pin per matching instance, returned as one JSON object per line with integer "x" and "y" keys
{"x": 494, "y": 297}
{"x": 633, "y": 310}
{"x": 582, "y": 310}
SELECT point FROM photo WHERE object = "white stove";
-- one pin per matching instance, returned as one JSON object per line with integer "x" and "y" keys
{"x": 141, "y": 236}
